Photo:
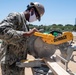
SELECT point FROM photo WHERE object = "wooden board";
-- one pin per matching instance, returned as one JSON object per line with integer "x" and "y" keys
{"x": 55, "y": 68}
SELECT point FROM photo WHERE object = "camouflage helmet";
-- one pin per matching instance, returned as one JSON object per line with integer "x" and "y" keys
{"x": 38, "y": 7}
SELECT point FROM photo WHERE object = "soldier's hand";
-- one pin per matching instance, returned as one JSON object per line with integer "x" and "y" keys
{"x": 31, "y": 32}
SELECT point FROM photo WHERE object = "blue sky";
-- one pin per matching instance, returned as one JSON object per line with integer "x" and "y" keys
{"x": 56, "y": 11}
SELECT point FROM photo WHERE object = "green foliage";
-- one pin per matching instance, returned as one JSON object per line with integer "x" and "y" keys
{"x": 59, "y": 27}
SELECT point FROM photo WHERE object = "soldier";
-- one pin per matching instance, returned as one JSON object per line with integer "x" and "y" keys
{"x": 14, "y": 33}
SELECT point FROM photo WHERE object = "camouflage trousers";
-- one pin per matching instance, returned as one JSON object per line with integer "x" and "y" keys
{"x": 11, "y": 70}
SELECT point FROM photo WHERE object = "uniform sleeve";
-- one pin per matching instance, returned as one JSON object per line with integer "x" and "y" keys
{"x": 8, "y": 32}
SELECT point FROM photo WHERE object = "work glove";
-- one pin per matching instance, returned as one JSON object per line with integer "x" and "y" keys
{"x": 31, "y": 32}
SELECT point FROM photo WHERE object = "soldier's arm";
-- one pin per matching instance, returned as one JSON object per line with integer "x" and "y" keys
{"x": 8, "y": 32}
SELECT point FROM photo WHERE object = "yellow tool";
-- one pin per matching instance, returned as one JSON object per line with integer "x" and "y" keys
{"x": 51, "y": 39}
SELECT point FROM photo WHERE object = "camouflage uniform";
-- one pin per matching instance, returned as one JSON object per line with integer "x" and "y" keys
{"x": 14, "y": 46}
